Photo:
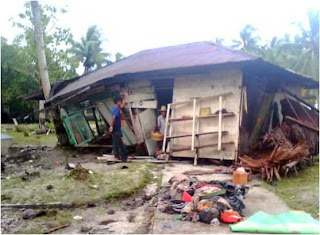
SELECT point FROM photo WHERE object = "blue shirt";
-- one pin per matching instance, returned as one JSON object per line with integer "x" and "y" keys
{"x": 116, "y": 113}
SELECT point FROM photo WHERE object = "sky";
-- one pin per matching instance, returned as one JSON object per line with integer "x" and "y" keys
{"x": 130, "y": 26}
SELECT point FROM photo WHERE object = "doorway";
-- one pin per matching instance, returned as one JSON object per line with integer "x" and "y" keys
{"x": 164, "y": 92}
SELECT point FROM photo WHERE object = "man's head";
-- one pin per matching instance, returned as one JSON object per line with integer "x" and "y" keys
{"x": 118, "y": 100}
{"x": 163, "y": 111}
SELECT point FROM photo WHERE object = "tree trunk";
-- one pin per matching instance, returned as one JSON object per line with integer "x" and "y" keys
{"x": 43, "y": 69}
{"x": 38, "y": 33}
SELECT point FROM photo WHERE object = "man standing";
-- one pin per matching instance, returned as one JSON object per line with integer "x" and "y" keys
{"x": 160, "y": 126}
{"x": 115, "y": 129}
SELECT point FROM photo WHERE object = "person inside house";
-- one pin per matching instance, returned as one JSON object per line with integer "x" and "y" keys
{"x": 115, "y": 130}
{"x": 160, "y": 126}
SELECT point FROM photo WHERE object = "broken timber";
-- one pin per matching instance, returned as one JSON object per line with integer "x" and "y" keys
{"x": 56, "y": 228}
{"x": 37, "y": 206}
{"x": 111, "y": 159}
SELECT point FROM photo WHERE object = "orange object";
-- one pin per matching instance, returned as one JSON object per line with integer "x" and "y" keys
{"x": 240, "y": 177}
{"x": 186, "y": 197}
{"x": 204, "y": 204}
{"x": 157, "y": 136}
{"x": 230, "y": 217}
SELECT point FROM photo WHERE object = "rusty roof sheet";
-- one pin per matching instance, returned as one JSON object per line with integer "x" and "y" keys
{"x": 172, "y": 57}
{"x": 187, "y": 55}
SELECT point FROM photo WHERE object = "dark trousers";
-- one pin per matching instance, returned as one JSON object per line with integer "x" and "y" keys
{"x": 118, "y": 145}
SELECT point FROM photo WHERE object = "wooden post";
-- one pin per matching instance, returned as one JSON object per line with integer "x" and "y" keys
{"x": 165, "y": 130}
{"x": 220, "y": 123}
{"x": 195, "y": 162}
{"x": 171, "y": 128}
{"x": 193, "y": 123}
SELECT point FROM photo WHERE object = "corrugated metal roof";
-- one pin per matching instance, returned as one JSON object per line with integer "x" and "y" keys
{"x": 187, "y": 55}
{"x": 172, "y": 57}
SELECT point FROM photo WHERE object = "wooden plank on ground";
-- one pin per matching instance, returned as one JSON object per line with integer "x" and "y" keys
{"x": 51, "y": 230}
{"x": 277, "y": 173}
{"x": 149, "y": 160}
{"x": 37, "y": 206}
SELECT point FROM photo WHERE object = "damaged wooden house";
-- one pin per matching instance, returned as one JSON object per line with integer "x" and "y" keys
{"x": 219, "y": 101}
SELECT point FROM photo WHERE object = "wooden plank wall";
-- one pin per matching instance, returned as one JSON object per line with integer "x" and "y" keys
{"x": 219, "y": 82}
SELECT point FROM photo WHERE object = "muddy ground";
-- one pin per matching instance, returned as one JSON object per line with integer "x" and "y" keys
{"x": 116, "y": 198}
{"x": 127, "y": 206}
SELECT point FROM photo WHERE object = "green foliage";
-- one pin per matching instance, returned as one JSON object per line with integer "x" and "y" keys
{"x": 248, "y": 40}
{"x": 119, "y": 56}
{"x": 300, "y": 54}
{"x": 49, "y": 125}
{"x": 17, "y": 77}
{"x": 58, "y": 42}
{"x": 89, "y": 52}
{"x": 26, "y": 133}
{"x": 20, "y": 72}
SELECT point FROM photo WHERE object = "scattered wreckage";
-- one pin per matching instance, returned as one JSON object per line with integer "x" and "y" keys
{"x": 208, "y": 202}
{"x": 281, "y": 150}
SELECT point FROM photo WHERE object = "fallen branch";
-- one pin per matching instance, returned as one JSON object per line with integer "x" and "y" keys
{"x": 57, "y": 228}
{"x": 36, "y": 206}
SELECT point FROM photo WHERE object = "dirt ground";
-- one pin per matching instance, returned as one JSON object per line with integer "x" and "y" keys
{"x": 108, "y": 208}
{"x": 109, "y": 204}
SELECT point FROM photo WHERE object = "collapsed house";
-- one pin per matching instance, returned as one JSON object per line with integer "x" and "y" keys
{"x": 219, "y": 101}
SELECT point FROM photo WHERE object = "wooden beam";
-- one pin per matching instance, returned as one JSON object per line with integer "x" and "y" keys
{"x": 37, "y": 206}
{"x": 197, "y": 134}
{"x": 93, "y": 146}
{"x": 301, "y": 100}
{"x": 165, "y": 130}
{"x": 193, "y": 123}
{"x": 220, "y": 123}
{"x": 301, "y": 123}
{"x": 144, "y": 104}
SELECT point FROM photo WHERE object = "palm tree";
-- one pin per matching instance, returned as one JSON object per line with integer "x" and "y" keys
{"x": 119, "y": 56}
{"x": 89, "y": 52}
{"x": 248, "y": 41}
{"x": 307, "y": 45}
{"x": 278, "y": 51}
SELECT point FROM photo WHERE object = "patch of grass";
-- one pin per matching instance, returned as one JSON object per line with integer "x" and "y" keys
{"x": 21, "y": 135}
{"x": 300, "y": 192}
{"x": 121, "y": 190}
{"x": 26, "y": 133}
{"x": 62, "y": 217}
{"x": 112, "y": 184}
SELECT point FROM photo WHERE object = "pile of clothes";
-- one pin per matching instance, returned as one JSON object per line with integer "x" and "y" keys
{"x": 208, "y": 202}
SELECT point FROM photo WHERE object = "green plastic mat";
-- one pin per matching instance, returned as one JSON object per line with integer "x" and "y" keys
{"x": 289, "y": 222}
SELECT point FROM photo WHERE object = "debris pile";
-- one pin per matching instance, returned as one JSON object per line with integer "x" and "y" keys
{"x": 79, "y": 173}
{"x": 280, "y": 150}
{"x": 208, "y": 202}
